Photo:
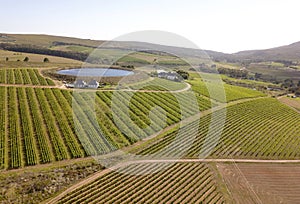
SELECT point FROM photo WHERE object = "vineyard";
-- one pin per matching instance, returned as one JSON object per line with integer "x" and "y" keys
{"x": 38, "y": 125}
{"x": 41, "y": 125}
{"x": 172, "y": 124}
{"x": 262, "y": 128}
{"x": 158, "y": 84}
{"x": 23, "y": 76}
{"x": 181, "y": 183}
{"x": 232, "y": 93}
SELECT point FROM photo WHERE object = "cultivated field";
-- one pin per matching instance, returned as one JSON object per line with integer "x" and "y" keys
{"x": 49, "y": 134}
{"x": 232, "y": 93}
{"x": 23, "y": 76}
{"x": 259, "y": 129}
{"x": 38, "y": 125}
{"x": 41, "y": 124}
{"x": 158, "y": 84}
{"x": 262, "y": 183}
{"x": 180, "y": 183}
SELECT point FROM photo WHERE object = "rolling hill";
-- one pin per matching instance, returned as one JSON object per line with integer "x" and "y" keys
{"x": 68, "y": 43}
{"x": 287, "y": 52}
{"x": 59, "y": 43}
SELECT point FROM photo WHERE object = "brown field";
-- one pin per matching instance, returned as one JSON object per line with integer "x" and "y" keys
{"x": 295, "y": 103}
{"x": 262, "y": 183}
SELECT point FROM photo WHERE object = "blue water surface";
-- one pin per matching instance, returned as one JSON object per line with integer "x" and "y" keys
{"x": 97, "y": 72}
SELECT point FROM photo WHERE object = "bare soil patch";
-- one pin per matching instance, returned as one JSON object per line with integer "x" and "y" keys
{"x": 262, "y": 183}
{"x": 295, "y": 103}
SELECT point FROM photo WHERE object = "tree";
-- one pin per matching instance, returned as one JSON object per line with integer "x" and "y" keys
{"x": 297, "y": 92}
{"x": 46, "y": 59}
{"x": 257, "y": 75}
{"x": 288, "y": 83}
{"x": 234, "y": 73}
{"x": 183, "y": 74}
{"x": 26, "y": 59}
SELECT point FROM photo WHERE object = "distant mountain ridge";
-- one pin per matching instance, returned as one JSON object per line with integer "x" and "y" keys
{"x": 288, "y": 52}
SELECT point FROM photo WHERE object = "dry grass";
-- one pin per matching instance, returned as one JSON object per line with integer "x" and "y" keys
{"x": 14, "y": 56}
{"x": 46, "y": 40}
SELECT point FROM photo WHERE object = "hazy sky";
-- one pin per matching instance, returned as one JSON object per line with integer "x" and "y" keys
{"x": 220, "y": 25}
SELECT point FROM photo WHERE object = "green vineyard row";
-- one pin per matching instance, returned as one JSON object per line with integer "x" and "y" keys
{"x": 179, "y": 183}
{"x": 23, "y": 76}
{"x": 158, "y": 84}
{"x": 218, "y": 90}
{"x": 41, "y": 125}
{"x": 259, "y": 129}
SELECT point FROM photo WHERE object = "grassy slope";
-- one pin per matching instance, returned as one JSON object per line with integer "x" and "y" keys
{"x": 46, "y": 40}
{"x": 14, "y": 56}
{"x": 85, "y": 45}
{"x": 288, "y": 52}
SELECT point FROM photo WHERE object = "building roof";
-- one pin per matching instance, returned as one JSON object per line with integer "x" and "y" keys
{"x": 161, "y": 71}
{"x": 93, "y": 82}
{"x": 79, "y": 82}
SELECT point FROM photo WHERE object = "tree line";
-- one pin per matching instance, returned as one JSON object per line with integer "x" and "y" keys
{"x": 234, "y": 73}
{"x": 44, "y": 51}
{"x": 291, "y": 86}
